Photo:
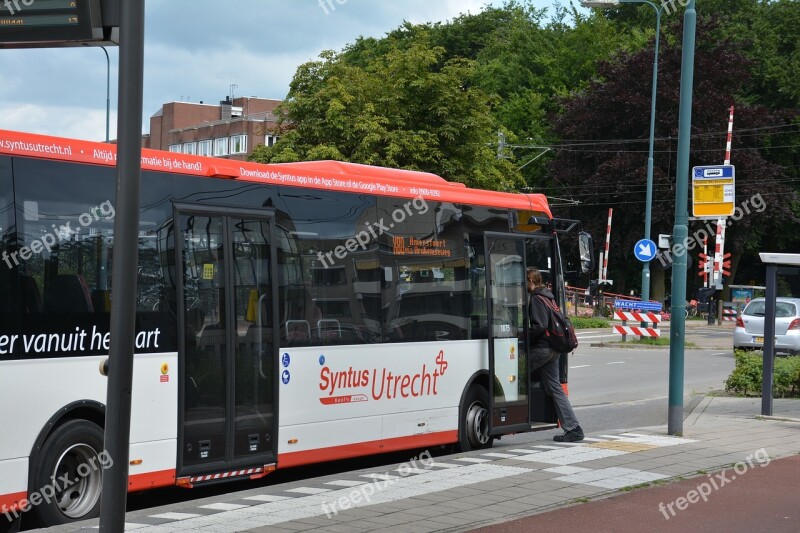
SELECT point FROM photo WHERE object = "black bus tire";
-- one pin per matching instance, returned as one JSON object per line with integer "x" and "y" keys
{"x": 473, "y": 431}
{"x": 9, "y": 525}
{"x": 69, "y": 469}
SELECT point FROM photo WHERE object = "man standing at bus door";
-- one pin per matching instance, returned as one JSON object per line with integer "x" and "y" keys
{"x": 543, "y": 358}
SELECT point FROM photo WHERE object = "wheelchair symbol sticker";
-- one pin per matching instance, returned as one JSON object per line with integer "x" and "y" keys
{"x": 286, "y": 360}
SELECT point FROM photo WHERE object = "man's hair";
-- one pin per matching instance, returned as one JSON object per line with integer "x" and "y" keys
{"x": 534, "y": 276}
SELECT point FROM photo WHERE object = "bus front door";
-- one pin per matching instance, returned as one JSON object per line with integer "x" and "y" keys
{"x": 518, "y": 402}
{"x": 227, "y": 353}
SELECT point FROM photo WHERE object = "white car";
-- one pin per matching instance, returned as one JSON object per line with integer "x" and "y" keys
{"x": 749, "y": 332}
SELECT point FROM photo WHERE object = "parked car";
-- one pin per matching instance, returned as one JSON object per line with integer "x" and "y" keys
{"x": 749, "y": 332}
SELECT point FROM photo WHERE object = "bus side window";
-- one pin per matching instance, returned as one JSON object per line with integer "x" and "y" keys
{"x": 30, "y": 297}
{"x": 67, "y": 293}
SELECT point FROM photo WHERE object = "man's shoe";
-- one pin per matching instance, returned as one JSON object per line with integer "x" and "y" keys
{"x": 574, "y": 435}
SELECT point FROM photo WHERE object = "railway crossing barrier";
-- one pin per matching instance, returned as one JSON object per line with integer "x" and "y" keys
{"x": 641, "y": 313}
{"x": 729, "y": 313}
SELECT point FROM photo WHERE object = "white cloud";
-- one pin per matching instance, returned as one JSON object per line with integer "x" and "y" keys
{"x": 74, "y": 122}
{"x": 195, "y": 49}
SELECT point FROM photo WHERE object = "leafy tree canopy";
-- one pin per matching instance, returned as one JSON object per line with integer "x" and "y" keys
{"x": 408, "y": 108}
{"x": 607, "y": 167}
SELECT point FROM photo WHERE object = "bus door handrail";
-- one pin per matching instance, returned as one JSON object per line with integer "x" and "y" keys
{"x": 260, "y": 344}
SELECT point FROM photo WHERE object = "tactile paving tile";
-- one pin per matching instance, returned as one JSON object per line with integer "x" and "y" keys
{"x": 623, "y": 445}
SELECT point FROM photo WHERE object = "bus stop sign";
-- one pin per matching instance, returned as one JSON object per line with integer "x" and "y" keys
{"x": 713, "y": 191}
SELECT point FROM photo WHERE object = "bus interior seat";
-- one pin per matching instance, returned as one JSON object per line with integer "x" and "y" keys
{"x": 67, "y": 293}
{"x": 329, "y": 328}
{"x": 298, "y": 331}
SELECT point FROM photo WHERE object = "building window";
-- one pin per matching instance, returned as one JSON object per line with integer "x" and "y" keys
{"x": 270, "y": 140}
{"x": 175, "y": 148}
{"x": 238, "y": 144}
{"x": 190, "y": 148}
{"x": 221, "y": 146}
{"x": 205, "y": 147}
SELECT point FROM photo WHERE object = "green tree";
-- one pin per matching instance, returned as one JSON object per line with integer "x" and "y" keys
{"x": 409, "y": 108}
{"x": 605, "y": 165}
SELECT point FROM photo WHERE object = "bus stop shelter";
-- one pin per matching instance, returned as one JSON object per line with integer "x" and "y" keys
{"x": 786, "y": 265}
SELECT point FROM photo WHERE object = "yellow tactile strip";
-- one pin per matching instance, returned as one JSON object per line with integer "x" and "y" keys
{"x": 622, "y": 445}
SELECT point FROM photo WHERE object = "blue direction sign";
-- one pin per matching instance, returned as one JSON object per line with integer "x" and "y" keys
{"x": 645, "y": 250}
{"x": 637, "y": 305}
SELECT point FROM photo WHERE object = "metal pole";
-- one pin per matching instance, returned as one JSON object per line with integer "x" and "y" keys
{"x": 608, "y": 242}
{"x": 126, "y": 232}
{"x": 681, "y": 230}
{"x": 648, "y": 207}
{"x": 108, "y": 92}
{"x": 769, "y": 341}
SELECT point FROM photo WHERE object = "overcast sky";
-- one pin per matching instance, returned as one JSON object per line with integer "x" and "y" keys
{"x": 195, "y": 50}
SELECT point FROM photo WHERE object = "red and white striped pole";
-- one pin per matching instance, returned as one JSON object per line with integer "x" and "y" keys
{"x": 730, "y": 138}
{"x": 716, "y": 275}
{"x": 722, "y": 223}
{"x": 608, "y": 240}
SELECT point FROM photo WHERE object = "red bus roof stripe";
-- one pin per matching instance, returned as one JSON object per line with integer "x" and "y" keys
{"x": 323, "y": 175}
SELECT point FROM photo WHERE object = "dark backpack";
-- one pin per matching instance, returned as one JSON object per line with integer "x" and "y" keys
{"x": 560, "y": 332}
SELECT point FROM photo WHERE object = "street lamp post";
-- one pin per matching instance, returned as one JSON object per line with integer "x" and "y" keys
{"x": 649, "y": 195}
{"x": 108, "y": 91}
{"x": 680, "y": 232}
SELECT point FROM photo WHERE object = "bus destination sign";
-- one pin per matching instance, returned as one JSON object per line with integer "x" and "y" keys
{"x": 43, "y": 23}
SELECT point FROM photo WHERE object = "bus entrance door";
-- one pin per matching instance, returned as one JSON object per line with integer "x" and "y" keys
{"x": 517, "y": 404}
{"x": 227, "y": 352}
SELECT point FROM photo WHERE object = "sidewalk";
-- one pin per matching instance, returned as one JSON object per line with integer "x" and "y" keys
{"x": 507, "y": 485}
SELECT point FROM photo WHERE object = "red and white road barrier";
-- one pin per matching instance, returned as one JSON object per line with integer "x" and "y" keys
{"x": 729, "y": 314}
{"x": 634, "y": 330}
{"x": 639, "y": 318}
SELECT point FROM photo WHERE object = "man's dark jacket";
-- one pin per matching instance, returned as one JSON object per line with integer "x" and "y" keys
{"x": 539, "y": 317}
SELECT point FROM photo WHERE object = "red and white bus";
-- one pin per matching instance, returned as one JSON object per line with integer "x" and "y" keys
{"x": 286, "y": 314}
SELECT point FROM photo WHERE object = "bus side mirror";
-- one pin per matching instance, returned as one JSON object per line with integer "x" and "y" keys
{"x": 586, "y": 247}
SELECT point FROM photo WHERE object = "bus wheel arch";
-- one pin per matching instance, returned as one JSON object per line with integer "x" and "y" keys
{"x": 90, "y": 410}
{"x": 68, "y": 476}
{"x": 69, "y": 444}
{"x": 473, "y": 415}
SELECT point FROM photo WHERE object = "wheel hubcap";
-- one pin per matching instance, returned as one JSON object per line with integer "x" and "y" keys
{"x": 477, "y": 425}
{"x": 77, "y": 481}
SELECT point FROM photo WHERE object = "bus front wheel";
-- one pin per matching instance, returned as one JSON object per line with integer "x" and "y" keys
{"x": 9, "y": 524}
{"x": 69, "y": 474}
{"x": 474, "y": 430}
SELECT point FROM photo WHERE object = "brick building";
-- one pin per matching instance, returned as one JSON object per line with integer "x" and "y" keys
{"x": 231, "y": 129}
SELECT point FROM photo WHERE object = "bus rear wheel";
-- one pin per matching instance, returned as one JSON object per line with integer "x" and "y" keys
{"x": 474, "y": 429}
{"x": 69, "y": 476}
